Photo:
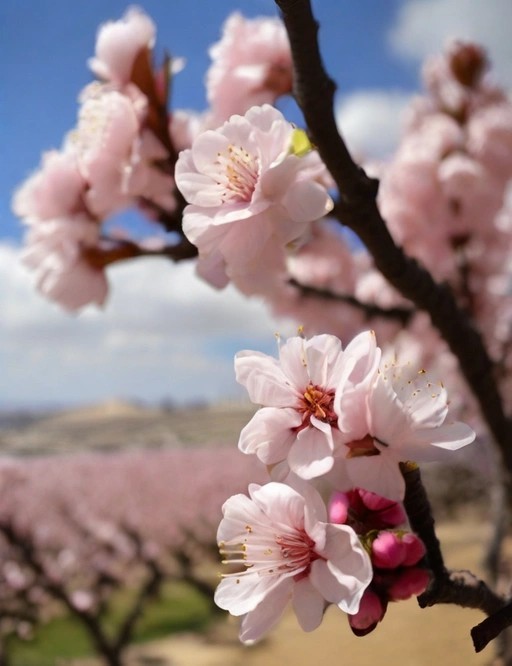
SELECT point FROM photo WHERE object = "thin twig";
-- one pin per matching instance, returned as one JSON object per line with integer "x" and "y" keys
{"x": 370, "y": 310}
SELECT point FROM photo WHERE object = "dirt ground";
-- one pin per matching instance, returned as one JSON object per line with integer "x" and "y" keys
{"x": 408, "y": 635}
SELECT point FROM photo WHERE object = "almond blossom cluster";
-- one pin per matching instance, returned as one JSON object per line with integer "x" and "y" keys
{"x": 344, "y": 418}
{"x": 251, "y": 194}
{"x": 106, "y": 164}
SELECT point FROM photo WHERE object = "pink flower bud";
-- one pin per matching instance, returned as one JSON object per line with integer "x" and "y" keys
{"x": 414, "y": 549}
{"x": 409, "y": 583}
{"x": 390, "y": 514}
{"x": 388, "y": 551}
{"x": 370, "y": 613}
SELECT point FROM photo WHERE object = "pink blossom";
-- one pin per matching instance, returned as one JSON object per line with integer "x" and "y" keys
{"x": 400, "y": 417}
{"x": 105, "y": 143}
{"x": 56, "y": 189}
{"x": 247, "y": 192}
{"x": 118, "y": 43}
{"x": 297, "y": 422}
{"x": 186, "y": 125}
{"x": 251, "y": 65}
{"x": 289, "y": 553}
{"x": 55, "y": 251}
{"x": 143, "y": 179}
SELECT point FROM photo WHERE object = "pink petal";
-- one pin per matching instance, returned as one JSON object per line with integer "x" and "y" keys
{"x": 307, "y": 201}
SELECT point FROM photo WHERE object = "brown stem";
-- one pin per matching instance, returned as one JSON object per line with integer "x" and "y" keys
{"x": 491, "y": 627}
{"x": 100, "y": 257}
{"x": 461, "y": 588}
{"x": 370, "y": 310}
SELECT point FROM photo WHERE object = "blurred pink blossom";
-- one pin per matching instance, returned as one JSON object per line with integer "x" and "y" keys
{"x": 118, "y": 43}
{"x": 289, "y": 553}
{"x": 55, "y": 190}
{"x": 55, "y": 251}
{"x": 104, "y": 143}
{"x": 251, "y": 65}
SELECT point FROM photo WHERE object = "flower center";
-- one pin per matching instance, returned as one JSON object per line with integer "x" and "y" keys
{"x": 239, "y": 174}
{"x": 362, "y": 447}
{"x": 318, "y": 402}
{"x": 267, "y": 554}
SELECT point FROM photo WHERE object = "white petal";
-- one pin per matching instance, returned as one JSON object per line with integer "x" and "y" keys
{"x": 241, "y": 595}
{"x": 323, "y": 351}
{"x": 260, "y": 620}
{"x": 293, "y": 361}
{"x": 432, "y": 444}
{"x": 386, "y": 414}
{"x": 308, "y": 605}
{"x": 312, "y": 453}
{"x": 280, "y": 502}
{"x": 264, "y": 379}
{"x": 269, "y": 434}
{"x": 343, "y": 583}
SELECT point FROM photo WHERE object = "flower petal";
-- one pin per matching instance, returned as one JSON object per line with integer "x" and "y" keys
{"x": 312, "y": 453}
{"x": 308, "y": 605}
{"x": 264, "y": 379}
{"x": 266, "y": 615}
{"x": 269, "y": 434}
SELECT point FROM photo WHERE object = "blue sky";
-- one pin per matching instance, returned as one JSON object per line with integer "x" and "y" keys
{"x": 181, "y": 345}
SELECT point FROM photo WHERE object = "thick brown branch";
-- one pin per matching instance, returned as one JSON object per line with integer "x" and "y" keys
{"x": 314, "y": 91}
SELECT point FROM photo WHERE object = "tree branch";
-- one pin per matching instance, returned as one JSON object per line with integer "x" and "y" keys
{"x": 461, "y": 588}
{"x": 314, "y": 92}
{"x": 370, "y": 310}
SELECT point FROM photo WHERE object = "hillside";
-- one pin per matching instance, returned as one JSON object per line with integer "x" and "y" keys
{"x": 117, "y": 424}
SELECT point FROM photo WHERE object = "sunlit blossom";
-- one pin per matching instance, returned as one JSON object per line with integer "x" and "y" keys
{"x": 286, "y": 551}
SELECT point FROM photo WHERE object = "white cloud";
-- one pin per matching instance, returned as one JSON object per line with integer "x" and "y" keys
{"x": 424, "y": 27}
{"x": 371, "y": 121}
{"x": 164, "y": 333}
